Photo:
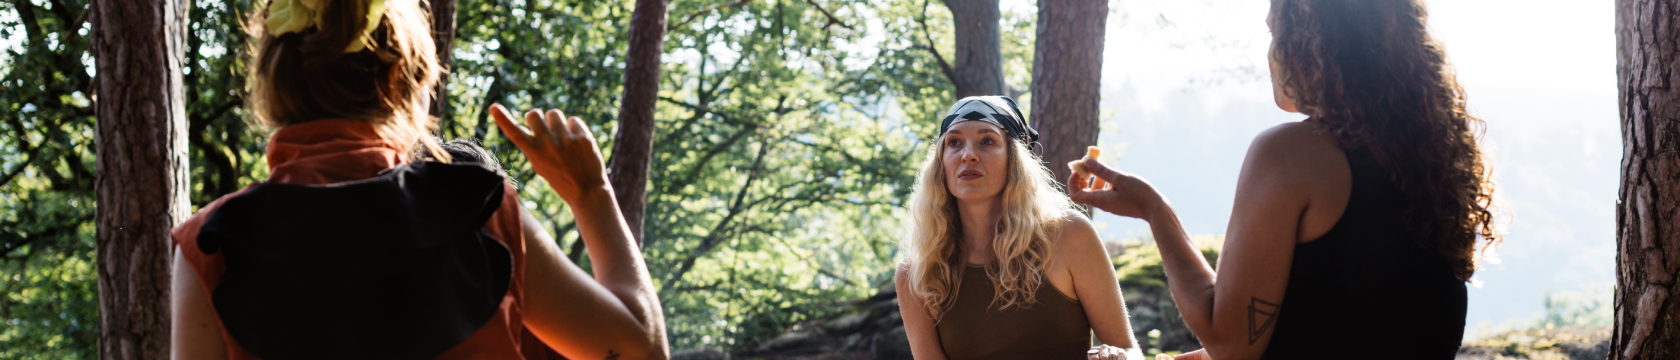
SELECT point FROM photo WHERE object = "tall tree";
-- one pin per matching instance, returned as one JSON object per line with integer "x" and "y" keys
{"x": 1067, "y": 73}
{"x": 633, "y": 145}
{"x": 978, "y": 56}
{"x": 141, "y": 188}
{"x": 1648, "y": 237}
{"x": 443, "y": 35}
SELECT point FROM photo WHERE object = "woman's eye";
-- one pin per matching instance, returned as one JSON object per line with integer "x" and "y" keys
{"x": 953, "y": 143}
{"x": 989, "y": 141}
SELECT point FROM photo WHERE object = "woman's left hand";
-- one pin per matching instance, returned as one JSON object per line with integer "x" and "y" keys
{"x": 1105, "y": 352}
{"x": 561, "y": 149}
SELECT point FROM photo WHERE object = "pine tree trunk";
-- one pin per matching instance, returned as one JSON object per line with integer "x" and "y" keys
{"x": 978, "y": 57}
{"x": 142, "y": 183}
{"x": 1648, "y": 240}
{"x": 1067, "y": 73}
{"x": 443, "y": 34}
{"x": 632, "y": 151}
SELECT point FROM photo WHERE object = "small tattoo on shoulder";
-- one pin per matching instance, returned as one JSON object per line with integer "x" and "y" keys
{"x": 1261, "y": 315}
{"x": 612, "y": 355}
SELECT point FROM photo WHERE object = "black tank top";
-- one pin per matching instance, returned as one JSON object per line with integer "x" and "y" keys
{"x": 395, "y": 267}
{"x": 1366, "y": 289}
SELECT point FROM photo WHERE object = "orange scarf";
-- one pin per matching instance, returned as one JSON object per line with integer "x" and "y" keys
{"x": 330, "y": 151}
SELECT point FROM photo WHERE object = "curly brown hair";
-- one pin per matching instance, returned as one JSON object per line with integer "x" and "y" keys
{"x": 1369, "y": 72}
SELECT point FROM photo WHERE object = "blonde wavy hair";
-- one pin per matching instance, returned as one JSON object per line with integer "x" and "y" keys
{"x": 305, "y": 76}
{"x": 1034, "y": 209}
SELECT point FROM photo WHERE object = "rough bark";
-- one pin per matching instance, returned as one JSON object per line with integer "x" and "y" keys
{"x": 141, "y": 187}
{"x": 443, "y": 34}
{"x": 1067, "y": 70}
{"x": 632, "y": 151}
{"x": 978, "y": 56}
{"x": 1648, "y": 230}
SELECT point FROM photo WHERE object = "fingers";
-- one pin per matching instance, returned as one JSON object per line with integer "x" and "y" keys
{"x": 1193, "y": 355}
{"x": 1075, "y": 187}
{"x": 1104, "y": 352}
{"x": 520, "y": 136}
{"x": 1096, "y": 168}
{"x": 580, "y": 128}
{"x": 542, "y": 126}
{"x": 569, "y": 127}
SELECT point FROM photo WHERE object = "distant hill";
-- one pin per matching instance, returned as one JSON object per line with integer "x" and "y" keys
{"x": 1571, "y": 343}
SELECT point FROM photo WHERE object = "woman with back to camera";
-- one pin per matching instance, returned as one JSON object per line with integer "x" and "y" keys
{"x": 997, "y": 264}
{"x": 350, "y": 250}
{"x": 1354, "y": 231}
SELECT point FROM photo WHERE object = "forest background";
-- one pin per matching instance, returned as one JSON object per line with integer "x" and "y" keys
{"x": 788, "y": 135}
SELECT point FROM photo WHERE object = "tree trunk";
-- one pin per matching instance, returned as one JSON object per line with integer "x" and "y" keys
{"x": 978, "y": 57}
{"x": 1648, "y": 240}
{"x": 632, "y": 150}
{"x": 1067, "y": 70}
{"x": 443, "y": 34}
{"x": 142, "y": 185}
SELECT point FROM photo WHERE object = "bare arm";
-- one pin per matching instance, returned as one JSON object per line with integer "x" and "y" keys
{"x": 1094, "y": 283}
{"x": 195, "y": 332}
{"x": 617, "y": 315}
{"x": 1232, "y": 311}
{"x": 918, "y": 324}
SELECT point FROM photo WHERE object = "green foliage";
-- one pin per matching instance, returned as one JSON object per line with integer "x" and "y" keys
{"x": 46, "y": 183}
{"x": 781, "y": 164}
{"x": 1591, "y": 308}
{"x": 48, "y": 296}
{"x": 783, "y": 152}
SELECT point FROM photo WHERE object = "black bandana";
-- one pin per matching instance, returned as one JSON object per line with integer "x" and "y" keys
{"x": 998, "y": 110}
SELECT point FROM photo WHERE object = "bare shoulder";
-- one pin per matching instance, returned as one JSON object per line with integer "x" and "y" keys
{"x": 1297, "y": 151}
{"x": 1077, "y": 235}
{"x": 901, "y": 277}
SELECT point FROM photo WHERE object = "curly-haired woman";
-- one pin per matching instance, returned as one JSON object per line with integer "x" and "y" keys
{"x": 1354, "y": 231}
{"x": 997, "y": 264}
{"x": 353, "y": 250}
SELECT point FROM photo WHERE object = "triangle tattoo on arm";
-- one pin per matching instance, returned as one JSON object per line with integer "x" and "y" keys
{"x": 1261, "y": 315}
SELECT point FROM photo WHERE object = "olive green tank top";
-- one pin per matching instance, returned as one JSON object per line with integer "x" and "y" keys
{"x": 1055, "y": 327}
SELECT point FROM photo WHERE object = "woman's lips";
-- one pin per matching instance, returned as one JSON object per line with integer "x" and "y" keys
{"x": 968, "y": 175}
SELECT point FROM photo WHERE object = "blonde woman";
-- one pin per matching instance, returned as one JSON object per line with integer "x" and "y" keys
{"x": 998, "y": 265}
{"x": 351, "y": 250}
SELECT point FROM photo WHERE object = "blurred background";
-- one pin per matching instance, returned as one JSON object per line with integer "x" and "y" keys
{"x": 789, "y": 132}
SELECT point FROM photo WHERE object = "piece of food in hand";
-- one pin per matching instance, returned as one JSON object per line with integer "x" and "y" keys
{"x": 1078, "y": 166}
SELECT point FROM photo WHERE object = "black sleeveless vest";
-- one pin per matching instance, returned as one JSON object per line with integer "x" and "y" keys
{"x": 394, "y": 267}
{"x": 1366, "y": 289}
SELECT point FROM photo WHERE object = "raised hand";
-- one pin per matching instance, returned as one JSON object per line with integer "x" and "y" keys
{"x": 562, "y": 150}
{"x": 1128, "y": 195}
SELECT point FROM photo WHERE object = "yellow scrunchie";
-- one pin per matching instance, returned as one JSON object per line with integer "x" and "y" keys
{"x": 289, "y": 16}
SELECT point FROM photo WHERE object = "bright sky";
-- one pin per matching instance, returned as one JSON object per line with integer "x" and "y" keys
{"x": 1186, "y": 89}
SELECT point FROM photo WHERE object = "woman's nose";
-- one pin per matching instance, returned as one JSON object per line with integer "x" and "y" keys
{"x": 968, "y": 154}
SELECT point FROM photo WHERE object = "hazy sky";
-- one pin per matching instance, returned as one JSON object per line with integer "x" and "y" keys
{"x": 1185, "y": 90}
